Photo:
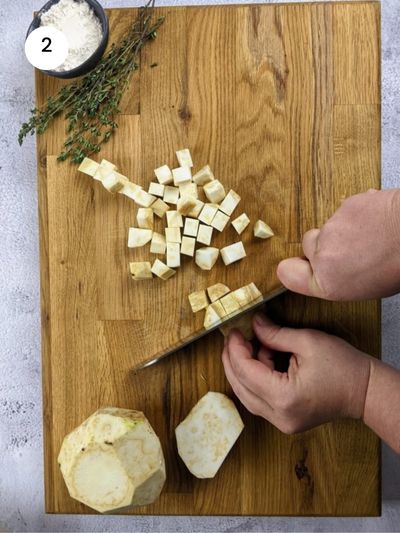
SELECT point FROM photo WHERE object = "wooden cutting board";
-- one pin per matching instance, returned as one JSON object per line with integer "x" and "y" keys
{"x": 283, "y": 101}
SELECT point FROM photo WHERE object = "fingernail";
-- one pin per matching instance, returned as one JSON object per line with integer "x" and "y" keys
{"x": 260, "y": 319}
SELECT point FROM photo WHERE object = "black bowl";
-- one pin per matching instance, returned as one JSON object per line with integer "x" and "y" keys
{"x": 92, "y": 61}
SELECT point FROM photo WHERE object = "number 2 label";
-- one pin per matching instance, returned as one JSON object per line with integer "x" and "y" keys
{"x": 47, "y": 47}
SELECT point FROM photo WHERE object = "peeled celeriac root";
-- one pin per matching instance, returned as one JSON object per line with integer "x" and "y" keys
{"x": 215, "y": 192}
{"x": 243, "y": 323}
{"x": 214, "y": 315}
{"x": 230, "y": 202}
{"x": 203, "y": 176}
{"x": 88, "y": 166}
{"x": 220, "y": 221}
{"x": 171, "y": 194}
{"x": 140, "y": 270}
{"x": 206, "y": 257}
{"x": 208, "y": 213}
{"x": 181, "y": 175}
{"x": 188, "y": 245}
{"x": 139, "y": 237}
{"x": 158, "y": 244}
{"x": 204, "y": 234}
{"x": 184, "y": 158}
{"x": 160, "y": 208}
{"x": 174, "y": 219}
{"x": 161, "y": 270}
{"x": 173, "y": 254}
{"x": 208, "y": 433}
{"x": 113, "y": 460}
{"x": 240, "y": 223}
{"x": 173, "y": 235}
{"x": 232, "y": 253}
{"x": 188, "y": 189}
{"x": 145, "y": 218}
{"x": 262, "y": 230}
{"x": 247, "y": 295}
{"x": 156, "y": 189}
{"x": 191, "y": 227}
{"x": 198, "y": 300}
{"x": 186, "y": 204}
{"x": 217, "y": 291}
{"x": 164, "y": 175}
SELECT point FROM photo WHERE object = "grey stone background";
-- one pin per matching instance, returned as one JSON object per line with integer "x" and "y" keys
{"x": 21, "y": 455}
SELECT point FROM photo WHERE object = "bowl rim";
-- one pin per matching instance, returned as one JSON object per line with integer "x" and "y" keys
{"x": 95, "y": 5}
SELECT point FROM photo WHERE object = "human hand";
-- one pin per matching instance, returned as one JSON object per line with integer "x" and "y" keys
{"x": 355, "y": 255}
{"x": 327, "y": 377}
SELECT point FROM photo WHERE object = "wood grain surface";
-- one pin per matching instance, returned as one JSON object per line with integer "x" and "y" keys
{"x": 283, "y": 101}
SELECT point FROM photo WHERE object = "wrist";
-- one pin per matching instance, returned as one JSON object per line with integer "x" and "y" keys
{"x": 394, "y": 219}
{"x": 358, "y": 390}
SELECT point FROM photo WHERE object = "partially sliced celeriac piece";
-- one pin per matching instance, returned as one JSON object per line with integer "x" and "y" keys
{"x": 198, "y": 300}
{"x": 203, "y": 176}
{"x": 186, "y": 204}
{"x": 240, "y": 223}
{"x": 230, "y": 303}
{"x": 204, "y": 234}
{"x": 208, "y": 433}
{"x": 161, "y": 270}
{"x": 230, "y": 202}
{"x": 244, "y": 323}
{"x": 188, "y": 189}
{"x": 215, "y": 192}
{"x": 113, "y": 461}
{"x": 191, "y": 227}
{"x": 164, "y": 175}
{"x": 145, "y": 217}
{"x": 88, "y": 166}
{"x": 173, "y": 254}
{"x": 208, "y": 213}
{"x": 158, "y": 244}
{"x": 262, "y": 230}
{"x": 174, "y": 219}
{"x": 173, "y": 235}
{"x": 217, "y": 291}
{"x": 256, "y": 294}
{"x": 140, "y": 270}
{"x": 139, "y": 237}
{"x": 184, "y": 158}
{"x": 181, "y": 175}
{"x": 206, "y": 257}
{"x": 248, "y": 294}
{"x": 220, "y": 221}
{"x": 232, "y": 253}
{"x": 130, "y": 190}
{"x": 212, "y": 318}
{"x": 171, "y": 194}
{"x": 114, "y": 182}
{"x": 196, "y": 209}
{"x": 144, "y": 199}
{"x": 188, "y": 245}
{"x": 160, "y": 208}
{"x": 156, "y": 189}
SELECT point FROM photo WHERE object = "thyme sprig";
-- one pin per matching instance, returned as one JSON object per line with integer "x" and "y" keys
{"x": 91, "y": 105}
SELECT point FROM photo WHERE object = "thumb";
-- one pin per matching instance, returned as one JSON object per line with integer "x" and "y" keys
{"x": 297, "y": 275}
{"x": 278, "y": 338}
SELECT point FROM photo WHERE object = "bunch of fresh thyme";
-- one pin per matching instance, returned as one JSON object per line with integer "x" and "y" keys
{"x": 91, "y": 105}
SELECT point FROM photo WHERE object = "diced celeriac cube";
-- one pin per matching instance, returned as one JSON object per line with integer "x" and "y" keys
{"x": 104, "y": 169}
{"x": 196, "y": 209}
{"x": 206, "y": 257}
{"x": 140, "y": 271}
{"x": 188, "y": 189}
{"x": 173, "y": 254}
{"x": 114, "y": 182}
{"x": 161, "y": 270}
{"x": 139, "y": 237}
{"x": 262, "y": 230}
{"x": 144, "y": 199}
{"x": 232, "y": 253}
{"x": 220, "y": 221}
{"x": 184, "y": 158}
{"x": 214, "y": 315}
{"x": 198, "y": 301}
{"x": 188, "y": 246}
{"x": 230, "y": 303}
{"x": 230, "y": 202}
{"x": 191, "y": 227}
{"x": 186, "y": 204}
{"x": 204, "y": 234}
{"x": 88, "y": 166}
{"x": 145, "y": 218}
{"x": 173, "y": 235}
{"x": 208, "y": 213}
{"x": 247, "y": 295}
{"x": 160, "y": 207}
{"x": 255, "y": 292}
{"x": 156, "y": 189}
{"x": 181, "y": 175}
{"x": 203, "y": 176}
{"x": 158, "y": 244}
{"x": 171, "y": 194}
{"x": 217, "y": 291}
{"x": 215, "y": 192}
{"x": 174, "y": 219}
{"x": 240, "y": 223}
{"x": 130, "y": 190}
{"x": 164, "y": 175}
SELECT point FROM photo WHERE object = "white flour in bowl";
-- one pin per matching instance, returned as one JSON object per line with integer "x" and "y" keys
{"x": 82, "y": 28}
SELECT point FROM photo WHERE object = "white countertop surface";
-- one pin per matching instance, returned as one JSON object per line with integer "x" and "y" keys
{"x": 21, "y": 454}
